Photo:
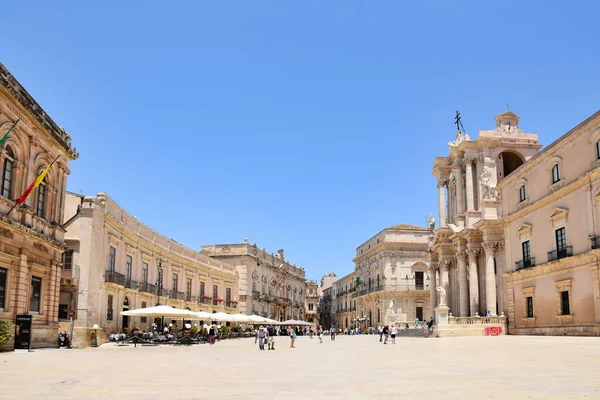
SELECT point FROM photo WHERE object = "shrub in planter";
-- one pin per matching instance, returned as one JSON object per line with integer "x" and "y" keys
{"x": 5, "y": 332}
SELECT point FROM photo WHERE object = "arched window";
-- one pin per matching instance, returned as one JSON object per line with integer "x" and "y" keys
{"x": 598, "y": 150}
{"x": 555, "y": 173}
{"x": 7, "y": 173}
{"x": 40, "y": 210}
{"x": 522, "y": 194}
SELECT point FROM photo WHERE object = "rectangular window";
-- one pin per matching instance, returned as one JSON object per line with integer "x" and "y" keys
{"x": 128, "y": 268}
{"x": 565, "y": 309}
{"x": 561, "y": 239}
{"x": 529, "y": 307}
{"x": 215, "y": 291}
{"x": 36, "y": 293}
{"x": 67, "y": 259}
{"x": 201, "y": 288}
{"x": 144, "y": 272}
{"x": 419, "y": 280}
{"x": 310, "y": 306}
{"x": 227, "y": 294}
{"x": 555, "y": 173}
{"x": 522, "y": 193}
{"x": 174, "y": 285}
{"x": 6, "y": 182}
{"x": 109, "y": 308}
{"x": 526, "y": 250}
{"x": 144, "y": 318}
{"x": 419, "y": 312}
{"x": 41, "y": 200}
{"x": 111, "y": 259}
{"x": 3, "y": 273}
{"x": 188, "y": 286}
{"x": 63, "y": 311}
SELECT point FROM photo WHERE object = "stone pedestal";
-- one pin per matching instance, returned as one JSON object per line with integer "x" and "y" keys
{"x": 441, "y": 314}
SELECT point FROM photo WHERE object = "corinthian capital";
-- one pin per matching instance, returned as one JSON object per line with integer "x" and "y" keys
{"x": 473, "y": 253}
{"x": 442, "y": 182}
{"x": 489, "y": 247}
{"x": 458, "y": 163}
{"x": 461, "y": 255}
{"x": 445, "y": 265}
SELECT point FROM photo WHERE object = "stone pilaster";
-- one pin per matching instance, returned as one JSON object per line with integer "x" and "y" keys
{"x": 462, "y": 284}
{"x": 459, "y": 186}
{"x": 490, "y": 277}
{"x": 469, "y": 185}
{"x": 473, "y": 281}
{"x": 442, "y": 201}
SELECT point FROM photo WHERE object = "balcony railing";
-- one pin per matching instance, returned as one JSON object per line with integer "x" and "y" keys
{"x": 525, "y": 263}
{"x": 188, "y": 297}
{"x": 147, "y": 287}
{"x": 130, "y": 284}
{"x": 114, "y": 277}
{"x": 179, "y": 295}
{"x": 70, "y": 272}
{"x": 230, "y": 303}
{"x": 595, "y": 242}
{"x": 560, "y": 253}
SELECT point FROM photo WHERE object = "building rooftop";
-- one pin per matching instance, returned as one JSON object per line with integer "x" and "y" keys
{"x": 408, "y": 227}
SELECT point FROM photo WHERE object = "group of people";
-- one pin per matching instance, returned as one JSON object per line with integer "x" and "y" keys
{"x": 266, "y": 334}
{"x": 390, "y": 331}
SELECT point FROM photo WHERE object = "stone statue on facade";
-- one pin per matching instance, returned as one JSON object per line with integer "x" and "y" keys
{"x": 459, "y": 138}
{"x": 485, "y": 181}
{"x": 390, "y": 309}
{"x": 442, "y": 293}
{"x": 430, "y": 223}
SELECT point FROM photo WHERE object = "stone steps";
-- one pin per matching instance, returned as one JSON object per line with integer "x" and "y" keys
{"x": 411, "y": 333}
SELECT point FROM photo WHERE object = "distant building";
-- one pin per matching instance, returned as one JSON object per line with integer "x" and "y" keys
{"x": 312, "y": 302}
{"x": 32, "y": 240}
{"x": 343, "y": 305}
{"x": 116, "y": 263}
{"x": 269, "y": 285}
{"x": 393, "y": 269}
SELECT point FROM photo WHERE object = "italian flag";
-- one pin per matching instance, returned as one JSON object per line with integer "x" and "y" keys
{"x": 35, "y": 183}
{"x": 357, "y": 282}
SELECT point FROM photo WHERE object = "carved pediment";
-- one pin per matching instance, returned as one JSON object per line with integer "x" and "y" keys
{"x": 524, "y": 229}
{"x": 558, "y": 213}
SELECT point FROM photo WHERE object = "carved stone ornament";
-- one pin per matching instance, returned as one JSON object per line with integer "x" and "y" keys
{"x": 461, "y": 255}
{"x": 40, "y": 247}
{"x": 254, "y": 276}
{"x": 459, "y": 139}
{"x": 485, "y": 181}
{"x": 264, "y": 279}
{"x": 226, "y": 249}
{"x": 442, "y": 182}
{"x": 473, "y": 253}
{"x": 489, "y": 247}
{"x": 504, "y": 128}
{"x": 6, "y": 233}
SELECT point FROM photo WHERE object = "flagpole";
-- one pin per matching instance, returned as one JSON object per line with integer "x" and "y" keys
{"x": 14, "y": 205}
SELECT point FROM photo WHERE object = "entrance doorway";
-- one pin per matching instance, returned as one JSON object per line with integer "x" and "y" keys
{"x": 420, "y": 313}
{"x": 125, "y": 317}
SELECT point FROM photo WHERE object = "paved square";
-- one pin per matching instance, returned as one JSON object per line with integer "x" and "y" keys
{"x": 352, "y": 367}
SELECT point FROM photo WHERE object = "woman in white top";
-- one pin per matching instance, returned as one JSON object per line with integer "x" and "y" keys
{"x": 394, "y": 332}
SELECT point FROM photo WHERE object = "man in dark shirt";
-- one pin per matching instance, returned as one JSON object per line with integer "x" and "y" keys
{"x": 271, "y": 338}
{"x": 386, "y": 332}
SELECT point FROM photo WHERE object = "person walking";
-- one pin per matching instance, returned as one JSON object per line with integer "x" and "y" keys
{"x": 271, "y": 337}
{"x": 380, "y": 329}
{"x": 319, "y": 333}
{"x": 394, "y": 332}
{"x": 332, "y": 332}
{"x": 292, "y": 338}
{"x": 386, "y": 332}
{"x": 261, "y": 338}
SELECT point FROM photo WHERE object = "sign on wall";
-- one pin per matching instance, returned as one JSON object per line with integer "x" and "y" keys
{"x": 23, "y": 332}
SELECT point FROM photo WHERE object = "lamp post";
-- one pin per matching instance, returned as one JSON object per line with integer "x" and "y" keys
{"x": 159, "y": 287}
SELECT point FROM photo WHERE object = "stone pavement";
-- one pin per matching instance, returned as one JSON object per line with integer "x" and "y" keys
{"x": 352, "y": 367}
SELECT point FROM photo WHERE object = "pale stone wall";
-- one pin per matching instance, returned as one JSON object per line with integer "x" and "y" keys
{"x": 101, "y": 224}
{"x": 31, "y": 239}
{"x": 572, "y": 204}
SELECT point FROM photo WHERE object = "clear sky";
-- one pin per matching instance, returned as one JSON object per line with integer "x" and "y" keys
{"x": 303, "y": 125}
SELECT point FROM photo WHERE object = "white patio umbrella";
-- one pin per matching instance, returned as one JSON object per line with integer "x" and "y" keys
{"x": 161, "y": 311}
{"x": 294, "y": 322}
{"x": 257, "y": 319}
{"x": 240, "y": 318}
{"x": 220, "y": 316}
{"x": 203, "y": 315}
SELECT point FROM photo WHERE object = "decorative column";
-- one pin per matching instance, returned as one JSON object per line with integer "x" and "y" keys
{"x": 459, "y": 186}
{"x": 442, "y": 200}
{"x": 432, "y": 288}
{"x": 469, "y": 185}
{"x": 473, "y": 281}
{"x": 490, "y": 277}
{"x": 463, "y": 295}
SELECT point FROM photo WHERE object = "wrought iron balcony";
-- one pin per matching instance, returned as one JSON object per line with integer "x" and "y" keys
{"x": 147, "y": 287}
{"x": 399, "y": 287}
{"x": 595, "y": 242}
{"x": 130, "y": 284}
{"x": 179, "y": 295}
{"x": 525, "y": 263}
{"x": 188, "y": 297}
{"x": 230, "y": 303}
{"x": 557, "y": 254}
{"x": 114, "y": 277}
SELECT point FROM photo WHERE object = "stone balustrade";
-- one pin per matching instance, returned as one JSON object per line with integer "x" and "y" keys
{"x": 472, "y": 326}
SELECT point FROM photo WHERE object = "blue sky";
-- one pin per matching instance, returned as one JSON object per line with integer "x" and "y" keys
{"x": 308, "y": 126}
